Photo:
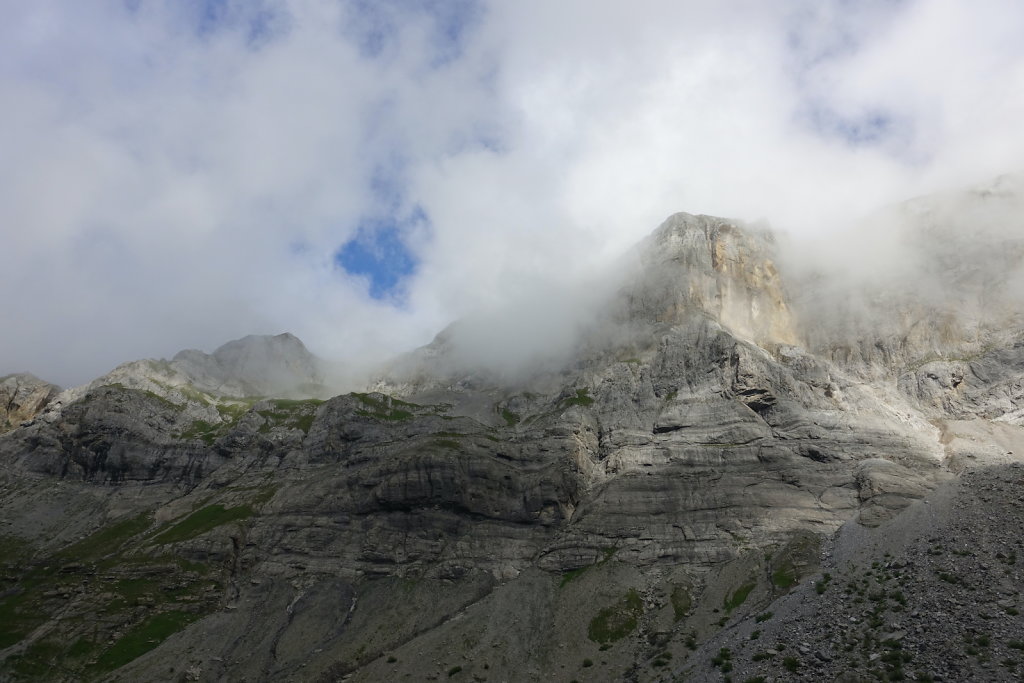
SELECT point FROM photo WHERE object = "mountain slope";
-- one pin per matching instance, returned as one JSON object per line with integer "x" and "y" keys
{"x": 600, "y": 517}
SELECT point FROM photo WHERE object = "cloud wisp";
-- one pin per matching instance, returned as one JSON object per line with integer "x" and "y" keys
{"x": 360, "y": 174}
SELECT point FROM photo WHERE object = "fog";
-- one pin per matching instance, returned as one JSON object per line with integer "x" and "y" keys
{"x": 176, "y": 175}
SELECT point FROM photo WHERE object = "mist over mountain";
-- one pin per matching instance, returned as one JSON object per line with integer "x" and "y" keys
{"x": 728, "y": 432}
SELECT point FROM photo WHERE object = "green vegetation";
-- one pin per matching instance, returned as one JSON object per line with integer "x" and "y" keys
{"x": 206, "y": 431}
{"x": 573, "y": 574}
{"x": 106, "y": 541}
{"x": 143, "y": 638}
{"x": 201, "y": 429}
{"x": 511, "y": 419}
{"x": 582, "y": 398}
{"x": 14, "y": 549}
{"x": 738, "y": 597}
{"x": 784, "y": 577}
{"x": 588, "y": 662}
{"x": 723, "y": 660}
{"x": 26, "y": 607}
{"x": 791, "y": 663}
{"x": 38, "y": 660}
{"x": 384, "y": 408}
{"x": 763, "y": 616}
{"x": 142, "y": 598}
{"x": 618, "y": 621}
{"x": 203, "y": 520}
{"x": 454, "y": 670}
{"x": 290, "y": 414}
{"x": 785, "y": 565}
{"x": 681, "y": 602}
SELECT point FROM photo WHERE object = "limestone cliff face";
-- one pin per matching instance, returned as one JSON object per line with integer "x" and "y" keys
{"x": 702, "y": 264}
{"x": 455, "y": 522}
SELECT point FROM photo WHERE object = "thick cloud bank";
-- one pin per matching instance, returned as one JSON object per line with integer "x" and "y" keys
{"x": 177, "y": 174}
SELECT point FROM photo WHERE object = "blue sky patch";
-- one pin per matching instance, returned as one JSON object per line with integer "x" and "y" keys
{"x": 379, "y": 253}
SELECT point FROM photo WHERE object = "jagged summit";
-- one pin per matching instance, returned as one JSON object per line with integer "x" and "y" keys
{"x": 256, "y": 365}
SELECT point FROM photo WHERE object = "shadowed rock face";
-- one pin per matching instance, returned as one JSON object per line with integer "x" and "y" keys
{"x": 675, "y": 474}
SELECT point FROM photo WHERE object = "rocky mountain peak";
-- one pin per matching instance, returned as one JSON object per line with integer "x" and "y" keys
{"x": 256, "y": 365}
{"x": 716, "y": 267}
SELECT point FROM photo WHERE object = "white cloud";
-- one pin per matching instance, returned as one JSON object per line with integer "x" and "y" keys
{"x": 162, "y": 189}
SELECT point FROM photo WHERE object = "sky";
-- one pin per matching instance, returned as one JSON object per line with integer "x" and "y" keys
{"x": 178, "y": 173}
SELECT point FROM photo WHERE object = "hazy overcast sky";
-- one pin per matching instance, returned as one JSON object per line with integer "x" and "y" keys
{"x": 178, "y": 173}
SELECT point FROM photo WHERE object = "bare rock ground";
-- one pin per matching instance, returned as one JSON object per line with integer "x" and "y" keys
{"x": 932, "y": 595}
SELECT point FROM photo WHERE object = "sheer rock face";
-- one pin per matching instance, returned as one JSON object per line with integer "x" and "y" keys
{"x": 707, "y": 264}
{"x": 22, "y": 397}
{"x": 700, "y": 446}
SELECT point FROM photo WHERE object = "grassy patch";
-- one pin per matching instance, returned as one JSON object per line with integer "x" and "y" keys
{"x": 201, "y": 429}
{"x": 606, "y": 554}
{"x": 681, "y": 602}
{"x": 38, "y": 660}
{"x": 203, "y": 520}
{"x": 737, "y": 597}
{"x": 289, "y": 414}
{"x": 142, "y": 639}
{"x": 573, "y": 574}
{"x": 582, "y": 398}
{"x": 511, "y": 419}
{"x": 618, "y": 621}
{"x": 106, "y": 541}
{"x": 384, "y": 408}
{"x": 784, "y": 577}
{"x": 231, "y": 412}
{"x": 14, "y": 549}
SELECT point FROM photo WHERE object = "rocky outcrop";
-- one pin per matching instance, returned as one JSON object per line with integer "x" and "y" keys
{"x": 22, "y": 397}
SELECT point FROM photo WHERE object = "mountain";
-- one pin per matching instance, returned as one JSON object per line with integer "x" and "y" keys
{"x": 717, "y": 434}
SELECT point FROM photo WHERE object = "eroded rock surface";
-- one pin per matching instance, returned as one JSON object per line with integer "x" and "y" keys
{"x": 22, "y": 397}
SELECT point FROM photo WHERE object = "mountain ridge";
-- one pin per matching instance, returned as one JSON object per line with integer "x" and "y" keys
{"x": 631, "y": 504}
